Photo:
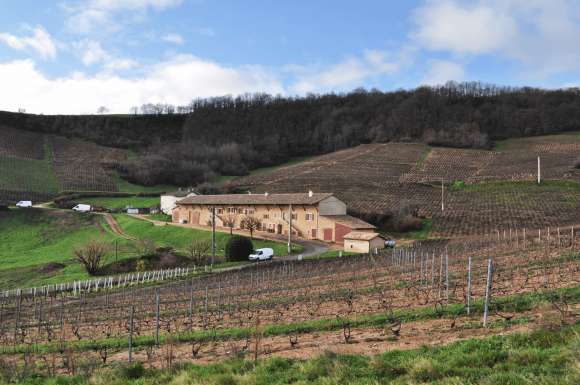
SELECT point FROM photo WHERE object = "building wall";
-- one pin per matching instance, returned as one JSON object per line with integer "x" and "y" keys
{"x": 356, "y": 246}
{"x": 332, "y": 206}
{"x": 274, "y": 218}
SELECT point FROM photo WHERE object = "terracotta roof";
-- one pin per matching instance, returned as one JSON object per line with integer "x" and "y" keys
{"x": 361, "y": 235}
{"x": 352, "y": 222}
{"x": 255, "y": 199}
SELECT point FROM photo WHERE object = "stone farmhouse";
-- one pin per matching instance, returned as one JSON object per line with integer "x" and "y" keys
{"x": 316, "y": 216}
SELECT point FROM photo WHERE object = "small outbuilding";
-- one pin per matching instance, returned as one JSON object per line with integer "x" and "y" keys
{"x": 363, "y": 242}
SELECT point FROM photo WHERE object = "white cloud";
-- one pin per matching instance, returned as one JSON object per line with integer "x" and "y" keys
{"x": 347, "y": 74}
{"x": 462, "y": 28}
{"x": 540, "y": 35}
{"x": 176, "y": 81}
{"x": 88, "y": 15}
{"x": 441, "y": 71}
{"x": 91, "y": 52}
{"x": 39, "y": 41}
{"x": 173, "y": 38}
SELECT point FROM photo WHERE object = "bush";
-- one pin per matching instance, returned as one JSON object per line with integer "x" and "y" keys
{"x": 91, "y": 256}
{"x": 238, "y": 248}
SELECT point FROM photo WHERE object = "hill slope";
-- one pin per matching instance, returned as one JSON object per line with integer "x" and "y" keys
{"x": 380, "y": 178}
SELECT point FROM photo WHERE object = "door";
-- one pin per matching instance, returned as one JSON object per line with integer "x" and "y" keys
{"x": 313, "y": 233}
{"x": 195, "y": 218}
{"x": 328, "y": 234}
{"x": 279, "y": 229}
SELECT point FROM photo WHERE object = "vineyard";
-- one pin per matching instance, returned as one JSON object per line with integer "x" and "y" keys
{"x": 428, "y": 293}
{"x": 496, "y": 192}
{"x": 36, "y": 166}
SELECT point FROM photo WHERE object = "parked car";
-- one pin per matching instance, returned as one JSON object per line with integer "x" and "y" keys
{"x": 24, "y": 204}
{"x": 82, "y": 208}
{"x": 264, "y": 254}
{"x": 390, "y": 243}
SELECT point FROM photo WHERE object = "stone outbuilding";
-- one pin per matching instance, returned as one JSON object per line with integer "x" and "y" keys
{"x": 363, "y": 242}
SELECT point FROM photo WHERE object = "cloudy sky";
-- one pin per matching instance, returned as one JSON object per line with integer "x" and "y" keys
{"x": 73, "y": 56}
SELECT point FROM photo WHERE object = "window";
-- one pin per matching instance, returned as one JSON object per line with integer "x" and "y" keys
{"x": 294, "y": 216}
{"x": 309, "y": 217}
{"x": 220, "y": 211}
{"x": 265, "y": 216}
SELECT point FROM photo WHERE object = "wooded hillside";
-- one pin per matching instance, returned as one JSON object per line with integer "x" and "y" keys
{"x": 228, "y": 136}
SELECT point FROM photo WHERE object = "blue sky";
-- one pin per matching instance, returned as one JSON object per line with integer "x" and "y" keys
{"x": 73, "y": 56}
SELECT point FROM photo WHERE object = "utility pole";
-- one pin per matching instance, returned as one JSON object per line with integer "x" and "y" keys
{"x": 290, "y": 229}
{"x": 539, "y": 171}
{"x": 212, "y": 235}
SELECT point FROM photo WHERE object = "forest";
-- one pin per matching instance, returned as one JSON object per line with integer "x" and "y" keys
{"x": 231, "y": 135}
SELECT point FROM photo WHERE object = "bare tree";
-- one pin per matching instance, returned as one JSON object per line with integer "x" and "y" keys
{"x": 145, "y": 247}
{"x": 198, "y": 249}
{"x": 230, "y": 221}
{"x": 91, "y": 255}
{"x": 251, "y": 224}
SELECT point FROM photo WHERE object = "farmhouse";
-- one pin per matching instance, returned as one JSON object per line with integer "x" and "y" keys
{"x": 319, "y": 216}
{"x": 169, "y": 200}
{"x": 363, "y": 242}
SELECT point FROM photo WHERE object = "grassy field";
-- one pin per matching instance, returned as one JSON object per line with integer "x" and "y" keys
{"x": 125, "y": 186}
{"x": 265, "y": 170}
{"x": 121, "y": 202}
{"x": 37, "y": 245}
{"x": 34, "y": 241}
{"x": 540, "y": 357}
{"x": 180, "y": 237}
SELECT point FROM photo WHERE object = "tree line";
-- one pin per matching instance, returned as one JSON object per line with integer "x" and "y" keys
{"x": 229, "y": 135}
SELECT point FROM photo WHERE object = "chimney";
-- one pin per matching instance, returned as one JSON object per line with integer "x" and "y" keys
{"x": 310, "y": 193}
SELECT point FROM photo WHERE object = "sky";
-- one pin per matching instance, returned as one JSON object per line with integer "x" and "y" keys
{"x": 75, "y": 56}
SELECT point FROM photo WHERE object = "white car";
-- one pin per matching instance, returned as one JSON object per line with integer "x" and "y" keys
{"x": 82, "y": 208}
{"x": 264, "y": 254}
{"x": 24, "y": 204}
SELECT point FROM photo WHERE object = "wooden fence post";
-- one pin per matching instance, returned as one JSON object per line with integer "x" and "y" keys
{"x": 131, "y": 333}
{"x": 468, "y": 285}
{"x": 487, "y": 291}
{"x": 157, "y": 315}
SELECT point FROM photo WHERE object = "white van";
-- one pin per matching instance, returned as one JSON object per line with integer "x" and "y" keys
{"x": 82, "y": 208}
{"x": 24, "y": 204}
{"x": 264, "y": 254}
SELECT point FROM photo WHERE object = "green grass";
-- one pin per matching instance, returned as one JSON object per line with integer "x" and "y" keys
{"x": 540, "y": 357}
{"x": 427, "y": 225}
{"x": 515, "y": 303}
{"x": 160, "y": 217}
{"x": 32, "y": 238}
{"x": 180, "y": 237}
{"x": 329, "y": 254}
{"x": 265, "y": 170}
{"x": 523, "y": 186}
{"x": 125, "y": 186}
{"x": 423, "y": 158}
{"x": 121, "y": 202}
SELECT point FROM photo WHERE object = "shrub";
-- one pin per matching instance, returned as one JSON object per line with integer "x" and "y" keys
{"x": 238, "y": 248}
{"x": 409, "y": 223}
{"x": 198, "y": 249}
{"x": 91, "y": 255}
